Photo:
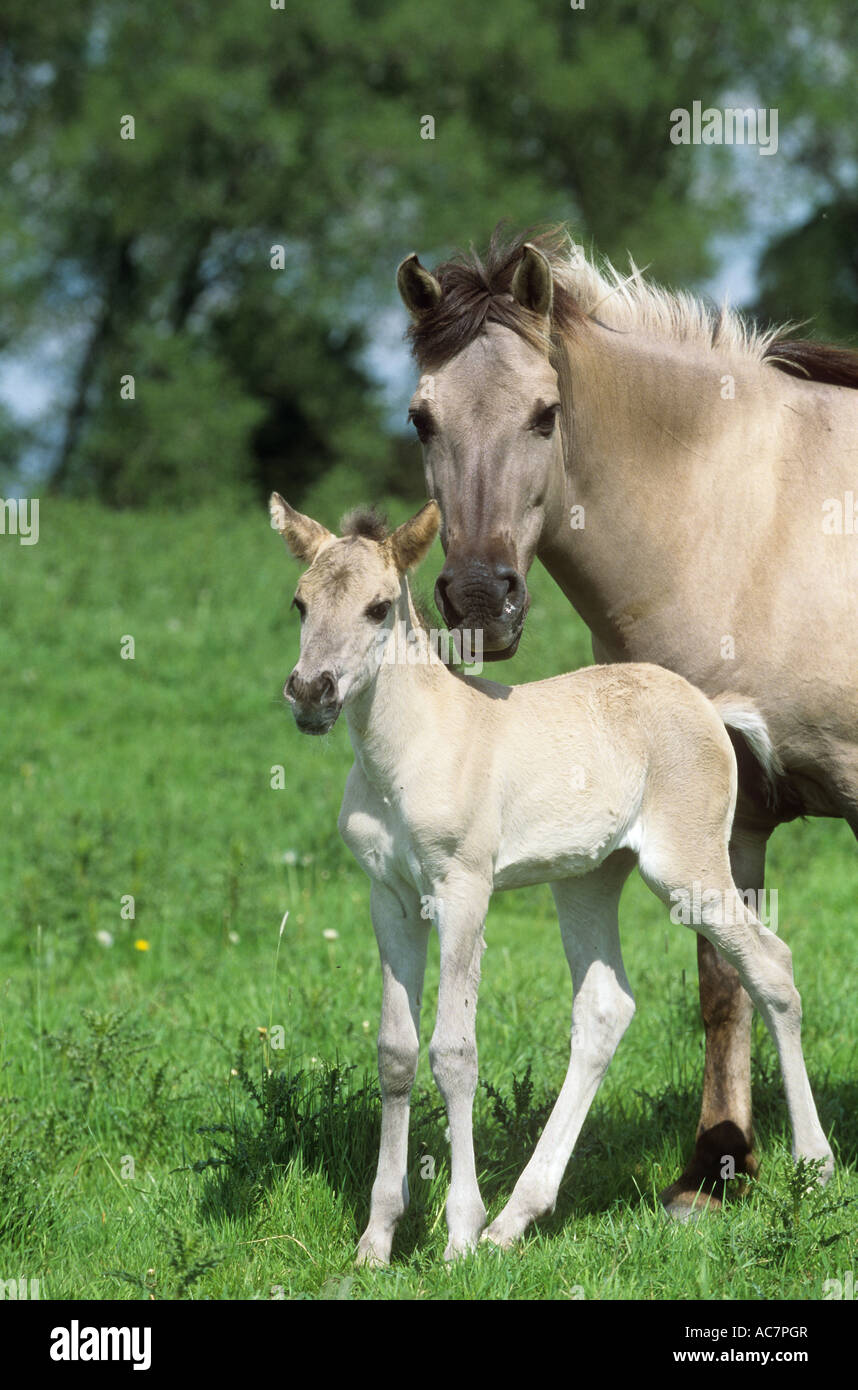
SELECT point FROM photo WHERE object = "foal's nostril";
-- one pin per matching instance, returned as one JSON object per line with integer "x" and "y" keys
{"x": 322, "y": 690}
{"x": 326, "y": 688}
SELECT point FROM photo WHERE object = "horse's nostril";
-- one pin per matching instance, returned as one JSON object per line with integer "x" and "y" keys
{"x": 514, "y": 584}
{"x": 446, "y": 608}
{"x": 290, "y": 688}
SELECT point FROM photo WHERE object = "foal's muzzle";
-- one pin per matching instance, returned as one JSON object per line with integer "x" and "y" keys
{"x": 315, "y": 704}
{"x": 487, "y": 596}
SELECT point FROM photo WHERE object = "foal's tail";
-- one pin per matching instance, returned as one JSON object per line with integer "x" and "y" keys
{"x": 741, "y": 714}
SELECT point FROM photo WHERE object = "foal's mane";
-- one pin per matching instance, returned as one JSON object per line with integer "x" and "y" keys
{"x": 372, "y": 525}
{"x": 476, "y": 290}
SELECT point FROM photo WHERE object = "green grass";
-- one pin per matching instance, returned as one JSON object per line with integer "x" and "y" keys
{"x": 154, "y": 1140}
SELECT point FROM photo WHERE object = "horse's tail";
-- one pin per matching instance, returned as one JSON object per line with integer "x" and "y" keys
{"x": 740, "y": 714}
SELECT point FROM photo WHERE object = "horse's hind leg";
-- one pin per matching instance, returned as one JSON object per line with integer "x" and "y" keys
{"x": 764, "y": 964}
{"x": 602, "y": 1009}
{"x": 725, "y": 1127}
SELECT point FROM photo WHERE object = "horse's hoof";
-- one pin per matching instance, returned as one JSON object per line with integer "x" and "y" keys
{"x": 681, "y": 1202}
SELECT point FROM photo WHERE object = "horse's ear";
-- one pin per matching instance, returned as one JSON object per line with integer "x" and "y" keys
{"x": 409, "y": 542}
{"x": 302, "y": 535}
{"x": 532, "y": 284}
{"x": 419, "y": 289}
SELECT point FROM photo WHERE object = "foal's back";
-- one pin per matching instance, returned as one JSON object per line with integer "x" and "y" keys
{"x": 589, "y": 762}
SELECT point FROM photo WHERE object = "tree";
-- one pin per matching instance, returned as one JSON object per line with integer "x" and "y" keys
{"x": 233, "y": 254}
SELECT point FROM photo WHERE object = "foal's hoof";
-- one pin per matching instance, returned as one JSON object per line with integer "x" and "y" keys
{"x": 368, "y": 1257}
{"x": 496, "y": 1240}
{"x": 505, "y": 1231}
{"x": 458, "y": 1249}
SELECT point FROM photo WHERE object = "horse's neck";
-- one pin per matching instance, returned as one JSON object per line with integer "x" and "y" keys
{"x": 657, "y": 442}
{"x": 398, "y": 705}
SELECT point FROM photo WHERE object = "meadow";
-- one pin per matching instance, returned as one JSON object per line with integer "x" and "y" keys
{"x": 188, "y": 1099}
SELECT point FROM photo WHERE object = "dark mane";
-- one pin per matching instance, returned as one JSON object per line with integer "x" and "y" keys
{"x": 365, "y": 521}
{"x": 477, "y": 290}
{"x": 833, "y": 366}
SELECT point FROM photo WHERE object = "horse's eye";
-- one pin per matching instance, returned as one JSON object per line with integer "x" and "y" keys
{"x": 546, "y": 420}
{"x": 377, "y": 612}
{"x": 422, "y": 422}
{"x": 300, "y": 605}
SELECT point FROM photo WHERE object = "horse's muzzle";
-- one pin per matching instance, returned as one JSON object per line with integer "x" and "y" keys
{"x": 484, "y": 596}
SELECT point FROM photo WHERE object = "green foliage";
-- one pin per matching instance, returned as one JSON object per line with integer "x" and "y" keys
{"x": 152, "y": 777}
{"x": 23, "y": 1201}
{"x": 300, "y": 128}
{"x": 521, "y": 1120}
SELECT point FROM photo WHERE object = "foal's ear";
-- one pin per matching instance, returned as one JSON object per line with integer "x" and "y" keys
{"x": 409, "y": 542}
{"x": 532, "y": 284}
{"x": 419, "y": 289}
{"x": 302, "y": 535}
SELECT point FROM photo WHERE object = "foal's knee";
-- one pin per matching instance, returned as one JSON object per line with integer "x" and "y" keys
{"x": 397, "y": 1067}
{"x": 454, "y": 1064}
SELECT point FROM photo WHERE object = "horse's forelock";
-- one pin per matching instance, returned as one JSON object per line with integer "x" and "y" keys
{"x": 476, "y": 291}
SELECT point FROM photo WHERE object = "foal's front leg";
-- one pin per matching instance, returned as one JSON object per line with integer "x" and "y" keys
{"x": 402, "y": 938}
{"x": 461, "y": 907}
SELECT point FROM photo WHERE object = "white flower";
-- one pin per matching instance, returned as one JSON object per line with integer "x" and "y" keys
{"x": 330, "y": 935}
{"x": 104, "y": 938}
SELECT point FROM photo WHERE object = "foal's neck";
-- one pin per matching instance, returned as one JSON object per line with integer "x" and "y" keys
{"x": 396, "y": 706}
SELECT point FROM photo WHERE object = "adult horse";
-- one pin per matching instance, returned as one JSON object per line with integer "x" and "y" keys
{"x": 683, "y": 477}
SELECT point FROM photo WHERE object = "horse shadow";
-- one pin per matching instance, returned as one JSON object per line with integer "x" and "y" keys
{"x": 328, "y": 1120}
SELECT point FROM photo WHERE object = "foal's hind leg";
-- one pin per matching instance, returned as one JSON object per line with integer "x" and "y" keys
{"x": 602, "y": 1009}
{"x": 725, "y": 1127}
{"x": 764, "y": 964}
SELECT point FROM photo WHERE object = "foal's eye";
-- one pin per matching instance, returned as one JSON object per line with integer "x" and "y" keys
{"x": 422, "y": 422}
{"x": 300, "y": 606}
{"x": 545, "y": 421}
{"x": 378, "y": 611}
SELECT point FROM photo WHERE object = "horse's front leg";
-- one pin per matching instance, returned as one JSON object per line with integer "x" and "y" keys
{"x": 402, "y": 938}
{"x": 461, "y": 907}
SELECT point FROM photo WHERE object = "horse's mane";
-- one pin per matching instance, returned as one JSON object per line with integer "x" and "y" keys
{"x": 476, "y": 290}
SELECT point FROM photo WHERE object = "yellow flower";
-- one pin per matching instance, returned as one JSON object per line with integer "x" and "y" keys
{"x": 141, "y": 945}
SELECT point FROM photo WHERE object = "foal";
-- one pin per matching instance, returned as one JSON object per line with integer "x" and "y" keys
{"x": 461, "y": 786}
